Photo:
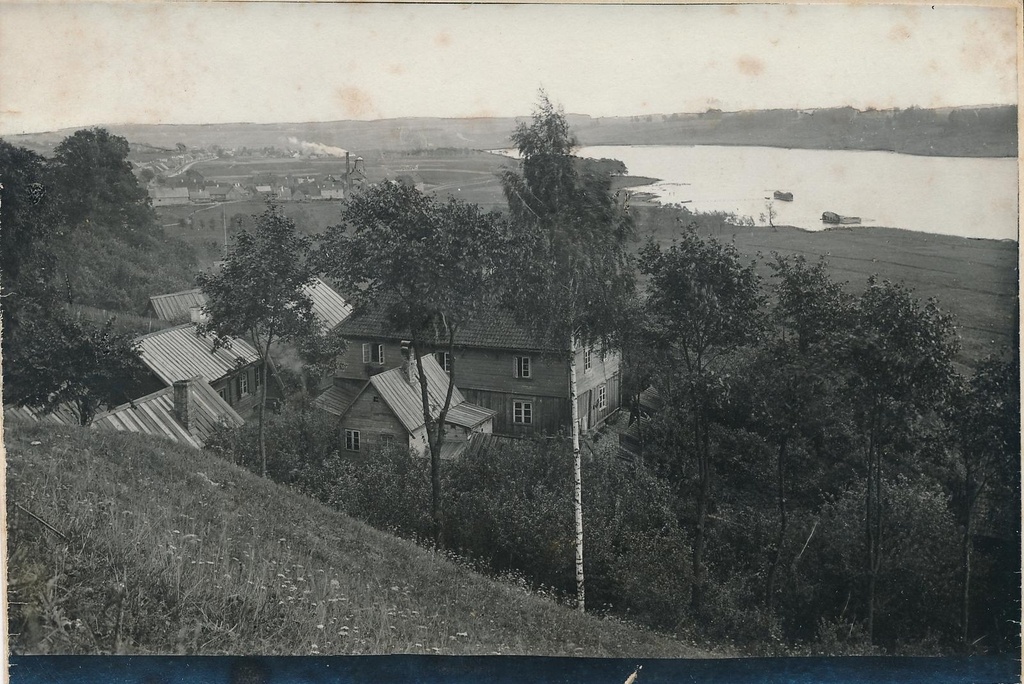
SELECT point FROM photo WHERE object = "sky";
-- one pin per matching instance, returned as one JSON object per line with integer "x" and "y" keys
{"x": 66, "y": 64}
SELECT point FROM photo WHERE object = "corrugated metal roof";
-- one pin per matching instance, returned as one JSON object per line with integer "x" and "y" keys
{"x": 338, "y": 397}
{"x": 175, "y": 306}
{"x": 468, "y": 415}
{"x": 328, "y": 306}
{"x": 154, "y": 415}
{"x": 404, "y": 398}
{"x": 62, "y": 415}
{"x": 179, "y": 353}
{"x": 490, "y": 330}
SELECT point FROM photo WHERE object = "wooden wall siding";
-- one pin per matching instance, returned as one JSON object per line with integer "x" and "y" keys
{"x": 483, "y": 369}
{"x": 550, "y": 414}
{"x": 352, "y": 366}
{"x": 590, "y": 415}
{"x": 493, "y": 371}
{"x": 372, "y": 419}
{"x": 602, "y": 369}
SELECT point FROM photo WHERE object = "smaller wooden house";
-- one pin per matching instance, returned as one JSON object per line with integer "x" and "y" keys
{"x": 389, "y": 410}
{"x": 181, "y": 353}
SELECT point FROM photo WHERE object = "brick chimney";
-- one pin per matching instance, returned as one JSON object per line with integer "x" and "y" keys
{"x": 183, "y": 403}
{"x": 407, "y": 363}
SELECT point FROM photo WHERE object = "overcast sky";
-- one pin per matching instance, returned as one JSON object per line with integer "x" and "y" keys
{"x": 74, "y": 64}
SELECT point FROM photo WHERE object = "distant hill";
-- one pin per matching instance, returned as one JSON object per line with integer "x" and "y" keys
{"x": 119, "y": 543}
{"x": 960, "y": 131}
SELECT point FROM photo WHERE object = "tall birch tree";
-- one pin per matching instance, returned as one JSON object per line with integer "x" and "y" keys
{"x": 570, "y": 274}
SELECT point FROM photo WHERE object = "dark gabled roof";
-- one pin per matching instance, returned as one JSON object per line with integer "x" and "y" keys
{"x": 489, "y": 330}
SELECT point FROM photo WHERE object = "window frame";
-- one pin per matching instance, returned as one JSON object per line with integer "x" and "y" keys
{"x": 352, "y": 440}
{"x": 243, "y": 384}
{"x": 522, "y": 412}
{"x": 588, "y": 362}
{"x": 522, "y": 367}
{"x": 373, "y": 353}
{"x": 602, "y": 397}
{"x": 444, "y": 360}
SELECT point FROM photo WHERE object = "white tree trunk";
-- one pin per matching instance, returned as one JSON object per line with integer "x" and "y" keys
{"x": 577, "y": 468}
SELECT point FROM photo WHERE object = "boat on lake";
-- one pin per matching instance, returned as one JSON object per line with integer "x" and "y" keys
{"x": 836, "y": 219}
{"x": 783, "y": 196}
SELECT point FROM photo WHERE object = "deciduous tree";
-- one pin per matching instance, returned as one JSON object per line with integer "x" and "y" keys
{"x": 705, "y": 304}
{"x": 58, "y": 362}
{"x": 430, "y": 266}
{"x": 900, "y": 357}
{"x": 259, "y": 294}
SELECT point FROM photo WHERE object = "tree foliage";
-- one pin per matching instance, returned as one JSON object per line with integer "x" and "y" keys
{"x": 430, "y": 267}
{"x": 58, "y": 362}
{"x": 259, "y": 293}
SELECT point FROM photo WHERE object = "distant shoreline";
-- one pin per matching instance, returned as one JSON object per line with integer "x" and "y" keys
{"x": 781, "y": 146}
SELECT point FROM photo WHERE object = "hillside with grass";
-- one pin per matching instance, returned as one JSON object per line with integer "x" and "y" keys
{"x": 119, "y": 543}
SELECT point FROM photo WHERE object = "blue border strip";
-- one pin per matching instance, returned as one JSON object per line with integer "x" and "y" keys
{"x": 505, "y": 669}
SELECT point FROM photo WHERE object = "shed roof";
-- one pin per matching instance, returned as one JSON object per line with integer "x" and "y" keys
{"x": 490, "y": 330}
{"x": 180, "y": 353}
{"x": 338, "y": 397}
{"x": 175, "y": 306}
{"x": 404, "y": 397}
{"x": 154, "y": 415}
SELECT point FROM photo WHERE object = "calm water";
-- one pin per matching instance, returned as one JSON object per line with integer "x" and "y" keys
{"x": 947, "y": 195}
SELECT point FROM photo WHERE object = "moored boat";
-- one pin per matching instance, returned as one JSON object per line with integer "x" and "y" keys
{"x": 836, "y": 219}
{"x": 783, "y": 196}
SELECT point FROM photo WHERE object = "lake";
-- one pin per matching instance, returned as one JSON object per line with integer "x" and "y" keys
{"x": 970, "y": 197}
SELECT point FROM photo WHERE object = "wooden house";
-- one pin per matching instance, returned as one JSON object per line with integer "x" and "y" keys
{"x": 388, "y": 410}
{"x": 187, "y": 413}
{"x": 181, "y": 353}
{"x": 162, "y": 196}
{"x": 497, "y": 365}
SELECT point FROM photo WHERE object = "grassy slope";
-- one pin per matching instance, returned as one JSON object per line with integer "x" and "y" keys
{"x": 157, "y": 559}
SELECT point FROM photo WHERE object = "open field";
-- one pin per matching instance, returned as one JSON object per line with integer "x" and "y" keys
{"x": 975, "y": 280}
{"x": 149, "y": 547}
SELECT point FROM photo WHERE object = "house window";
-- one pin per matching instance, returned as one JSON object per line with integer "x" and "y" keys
{"x": 587, "y": 362}
{"x": 352, "y": 440}
{"x": 223, "y": 392}
{"x": 602, "y": 397}
{"x": 243, "y": 384}
{"x": 522, "y": 412}
{"x": 521, "y": 368}
{"x": 387, "y": 439}
{"x": 373, "y": 353}
{"x": 445, "y": 359}
{"x": 258, "y": 376}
